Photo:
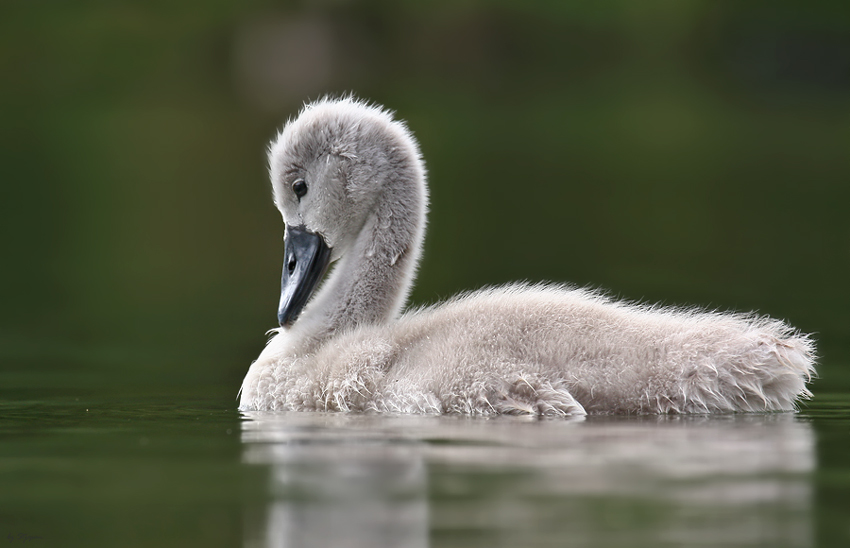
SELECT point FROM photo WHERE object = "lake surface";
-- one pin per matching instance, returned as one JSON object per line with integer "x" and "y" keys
{"x": 178, "y": 466}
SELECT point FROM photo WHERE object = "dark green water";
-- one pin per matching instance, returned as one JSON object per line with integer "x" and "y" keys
{"x": 99, "y": 464}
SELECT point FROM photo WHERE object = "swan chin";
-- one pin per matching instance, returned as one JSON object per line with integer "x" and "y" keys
{"x": 350, "y": 184}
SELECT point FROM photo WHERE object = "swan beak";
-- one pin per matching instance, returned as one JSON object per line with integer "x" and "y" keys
{"x": 306, "y": 257}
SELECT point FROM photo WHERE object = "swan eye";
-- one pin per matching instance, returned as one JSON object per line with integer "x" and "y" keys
{"x": 299, "y": 187}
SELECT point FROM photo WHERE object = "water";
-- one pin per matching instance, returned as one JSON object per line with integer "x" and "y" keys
{"x": 179, "y": 466}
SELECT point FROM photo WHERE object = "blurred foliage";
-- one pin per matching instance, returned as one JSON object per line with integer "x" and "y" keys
{"x": 688, "y": 152}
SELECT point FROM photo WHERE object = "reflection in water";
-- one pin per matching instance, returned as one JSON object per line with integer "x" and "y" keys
{"x": 367, "y": 480}
{"x": 338, "y": 490}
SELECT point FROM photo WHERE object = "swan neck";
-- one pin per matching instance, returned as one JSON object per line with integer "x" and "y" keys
{"x": 370, "y": 284}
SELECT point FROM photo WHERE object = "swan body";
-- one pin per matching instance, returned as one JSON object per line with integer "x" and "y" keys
{"x": 350, "y": 184}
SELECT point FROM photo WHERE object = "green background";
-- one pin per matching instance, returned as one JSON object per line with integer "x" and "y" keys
{"x": 678, "y": 152}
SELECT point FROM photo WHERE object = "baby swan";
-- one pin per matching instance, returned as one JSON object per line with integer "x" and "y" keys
{"x": 350, "y": 184}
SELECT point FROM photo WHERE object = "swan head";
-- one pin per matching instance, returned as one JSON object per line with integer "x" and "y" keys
{"x": 330, "y": 167}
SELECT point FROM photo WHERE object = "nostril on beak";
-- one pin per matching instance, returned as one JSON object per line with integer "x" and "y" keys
{"x": 291, "y": 265}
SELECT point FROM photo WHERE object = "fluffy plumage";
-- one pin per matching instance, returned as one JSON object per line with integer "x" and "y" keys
{"x": 530, "y": 349}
